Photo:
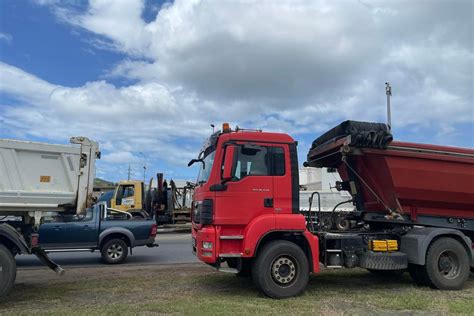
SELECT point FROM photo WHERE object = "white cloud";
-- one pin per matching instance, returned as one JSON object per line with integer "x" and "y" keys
{"x": 6, "y": 37}
{"x": 295, "y": 66}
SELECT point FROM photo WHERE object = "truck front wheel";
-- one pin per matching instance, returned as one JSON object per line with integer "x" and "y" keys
{"x": 7, "y": 271}
{"x": 114, "y": 251}
{"x": 447, "y": 264}
{"x": 281, "y": 269}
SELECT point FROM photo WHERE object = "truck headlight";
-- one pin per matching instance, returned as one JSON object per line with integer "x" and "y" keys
{"x": 207, "y": 245}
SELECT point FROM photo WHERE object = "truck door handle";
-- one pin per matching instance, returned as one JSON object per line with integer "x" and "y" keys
{"x": 268, "y": 202}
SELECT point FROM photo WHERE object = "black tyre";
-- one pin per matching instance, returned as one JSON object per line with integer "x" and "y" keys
{"x": 419, "y": 275}
{"x": 447, "y": 264}
{"x": 114, "y": 251}
{"x": 7, "y": 271}
{"x": 281, "y": 269}
{"x": 342, "y": 223}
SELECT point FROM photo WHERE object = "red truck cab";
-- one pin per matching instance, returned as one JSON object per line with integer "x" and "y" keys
{"x": 247, "y": 196}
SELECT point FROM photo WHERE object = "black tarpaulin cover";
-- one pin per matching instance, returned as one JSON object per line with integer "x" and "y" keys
{"x": 363, "y": 134}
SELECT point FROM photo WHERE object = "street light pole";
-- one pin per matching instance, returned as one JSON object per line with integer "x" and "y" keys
{"x": 144, "y": 167}
{"x": 388, "y": 92}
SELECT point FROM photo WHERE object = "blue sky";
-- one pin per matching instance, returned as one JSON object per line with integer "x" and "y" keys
{"x": 150, "y": 76}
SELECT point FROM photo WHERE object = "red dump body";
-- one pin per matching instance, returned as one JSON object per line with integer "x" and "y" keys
{"x": 413, "y": 179}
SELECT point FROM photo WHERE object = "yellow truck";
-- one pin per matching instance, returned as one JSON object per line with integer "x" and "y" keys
{"x": 129, "y": 195}
{"x": 168, "y": 204}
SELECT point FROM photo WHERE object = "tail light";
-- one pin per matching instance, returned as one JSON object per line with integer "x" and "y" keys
{"x": 153, "y": 231}
{"x": 34, "y": 240}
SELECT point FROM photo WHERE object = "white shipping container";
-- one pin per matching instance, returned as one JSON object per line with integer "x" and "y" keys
{"x": 39, "y": 177}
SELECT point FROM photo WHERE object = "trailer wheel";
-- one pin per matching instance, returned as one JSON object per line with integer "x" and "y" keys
{"x": 7, "y": 271}
{"x": 419, "y": 275}
{"x": 447, "y": 264}
{"x": 281, "y": 269}
{"x": 114, "y": 251}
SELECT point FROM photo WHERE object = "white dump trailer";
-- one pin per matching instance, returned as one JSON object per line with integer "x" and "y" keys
{"x": 36, "y": 178}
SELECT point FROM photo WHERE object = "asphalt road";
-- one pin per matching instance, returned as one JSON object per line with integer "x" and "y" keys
{"x": 173, "y": 248}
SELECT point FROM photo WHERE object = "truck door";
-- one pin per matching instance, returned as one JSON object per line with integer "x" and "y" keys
{"x": 81, "y": 231}
{"x": 250, "y": 191}
{"x": 51, "y": 232}
{"x": 125, "y": 198}
{"x": 281, "y": 171}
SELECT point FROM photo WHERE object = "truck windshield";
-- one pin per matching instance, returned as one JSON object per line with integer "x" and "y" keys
{"x": 206, "y": 168}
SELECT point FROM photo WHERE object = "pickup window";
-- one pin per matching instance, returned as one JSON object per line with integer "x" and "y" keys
{"x": 65, "y": 218}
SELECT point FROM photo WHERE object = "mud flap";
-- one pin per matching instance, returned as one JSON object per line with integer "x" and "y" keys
{"x": 43, "y": 256}
{"x": 384, "y": 260}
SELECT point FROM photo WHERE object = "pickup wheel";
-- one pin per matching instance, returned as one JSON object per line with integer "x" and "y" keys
{"x": 447, "y": 264}
{"x": 114, "y": 251}
{"x": 281, "y": 269}
{"x": 7, "y": 271}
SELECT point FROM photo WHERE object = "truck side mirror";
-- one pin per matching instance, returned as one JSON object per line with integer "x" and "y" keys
{"x": 227, "y": 173}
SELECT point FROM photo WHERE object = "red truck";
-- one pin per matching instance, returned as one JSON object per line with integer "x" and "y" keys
{"x": 414, "y": 208}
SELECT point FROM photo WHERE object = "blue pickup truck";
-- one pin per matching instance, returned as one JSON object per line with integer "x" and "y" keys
{"x": 101, "y": 228}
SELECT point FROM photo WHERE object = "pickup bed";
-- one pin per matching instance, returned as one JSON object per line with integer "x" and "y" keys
{"x": 113, "y": 233}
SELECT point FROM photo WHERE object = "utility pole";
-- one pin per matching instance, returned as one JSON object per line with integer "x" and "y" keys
{"x": 388, "y": 92}
{"x": 129, "y": 170}
{"x": 144, "y": 167}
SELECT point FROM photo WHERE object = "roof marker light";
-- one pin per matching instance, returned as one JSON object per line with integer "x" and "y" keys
{"x": 225, "y": 127}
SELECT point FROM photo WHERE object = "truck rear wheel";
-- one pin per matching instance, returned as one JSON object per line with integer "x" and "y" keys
{"x": 447, "y": 264}
{"x": 281, "y": 269}
{"x": 114, "y": 251}
{"x": 7, "y": 271}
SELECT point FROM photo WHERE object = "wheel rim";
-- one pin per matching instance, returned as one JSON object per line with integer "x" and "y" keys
{"x": 115, "y": 251}
{"x": 448, "y": 265}
{"x": 343, "y": 224}
{"x": 284, "y": 270}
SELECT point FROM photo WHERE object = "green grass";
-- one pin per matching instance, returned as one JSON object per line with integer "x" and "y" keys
{"x": 198, "y": 290}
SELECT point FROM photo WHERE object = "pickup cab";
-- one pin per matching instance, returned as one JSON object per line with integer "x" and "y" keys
{"x": 100, "y": 228}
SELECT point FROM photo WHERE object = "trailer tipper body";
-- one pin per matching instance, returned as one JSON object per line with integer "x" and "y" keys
{"x": 426, "y": 184}
{"x": 37, "y": 178}
{"x": 413, "y": 208}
